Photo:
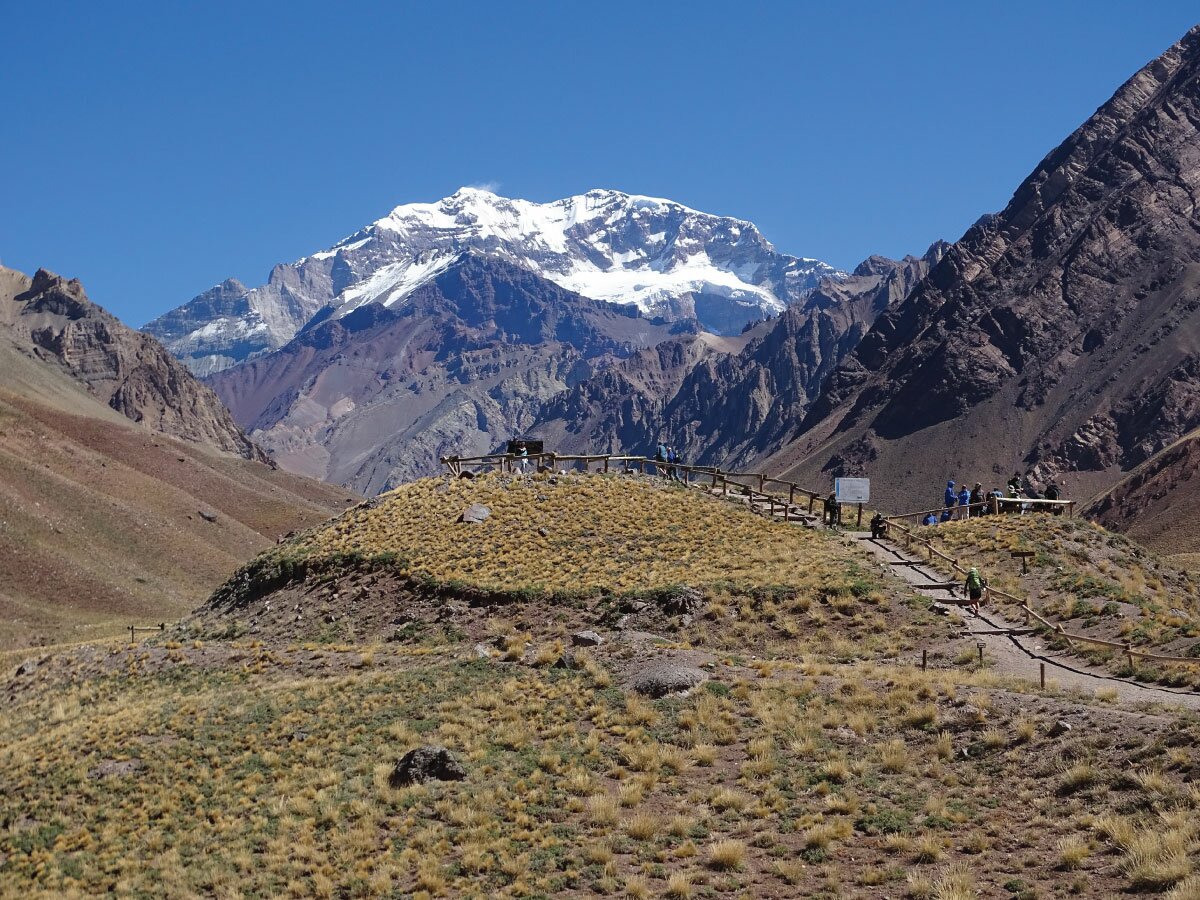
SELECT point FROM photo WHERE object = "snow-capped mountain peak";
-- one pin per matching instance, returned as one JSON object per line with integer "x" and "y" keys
{"x": 666, "y": 258}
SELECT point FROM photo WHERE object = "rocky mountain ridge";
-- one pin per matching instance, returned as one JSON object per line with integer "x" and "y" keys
{"x": 51, "y": 318}
{"x": 374, "y": 397}
{"x": 1060, "y": 336}
{"x": 665, "y": 259}
{"x": 123, "y": 496}
{"x": 731, "y": 402}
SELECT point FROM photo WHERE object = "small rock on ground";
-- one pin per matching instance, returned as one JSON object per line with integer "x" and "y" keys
{"x": 668, "y": 678}
{"x": 475, "y": 513}
{"x": 428, "y": 763}
{"x": 586, "y": 639}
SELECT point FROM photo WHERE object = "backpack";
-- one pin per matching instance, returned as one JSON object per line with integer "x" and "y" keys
{"x": 974, "y": 581}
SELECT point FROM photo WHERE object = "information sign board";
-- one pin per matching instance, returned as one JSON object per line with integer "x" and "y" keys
{"x": 852, "y": 490}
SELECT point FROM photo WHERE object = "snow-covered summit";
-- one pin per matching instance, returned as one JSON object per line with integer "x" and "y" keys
{"x": 667, "y": 259}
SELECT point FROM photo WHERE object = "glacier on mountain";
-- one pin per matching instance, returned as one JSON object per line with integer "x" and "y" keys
{"x": 671, "y": 261}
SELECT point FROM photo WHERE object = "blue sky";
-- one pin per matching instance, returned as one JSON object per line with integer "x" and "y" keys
{"x": 153, "y": 149}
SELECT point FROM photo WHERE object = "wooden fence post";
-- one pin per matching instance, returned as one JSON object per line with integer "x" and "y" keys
{"x": 791, "y": 493}
{"x": 924, "y": 659}
{"x": 761, "y": 479}
{"x": 1042, "y": 675}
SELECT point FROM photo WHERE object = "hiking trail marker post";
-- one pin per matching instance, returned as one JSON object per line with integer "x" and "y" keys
{"x": 1024, "y": 556}
{"x": 853, "y": 490}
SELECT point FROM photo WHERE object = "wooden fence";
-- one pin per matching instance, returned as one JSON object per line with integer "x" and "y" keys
{"x": 991, "y": 506}
{"x": 910, "y": 539}
{"x": 793, "y": 503}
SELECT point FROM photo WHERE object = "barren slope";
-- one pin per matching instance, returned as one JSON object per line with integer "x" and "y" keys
{"x": 100, "y": 518}
{"x": 1060, "y": 336}
{"x": 1158, "y": 503}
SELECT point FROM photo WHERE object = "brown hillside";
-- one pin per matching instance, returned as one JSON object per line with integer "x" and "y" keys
{"x": 1059, "y": 336}
{"x": 100, "y": 518}
{"x": 1158, "y": 503}
{"x": 50, "y": 318}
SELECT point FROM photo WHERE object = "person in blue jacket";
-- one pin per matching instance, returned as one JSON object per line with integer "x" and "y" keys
{"x": 964, "y": 501}
{"x": 951, "y": 494}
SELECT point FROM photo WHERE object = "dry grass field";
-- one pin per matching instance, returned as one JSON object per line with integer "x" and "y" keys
{"x": 567, "y": 533}
{"x": 816, "y": 760}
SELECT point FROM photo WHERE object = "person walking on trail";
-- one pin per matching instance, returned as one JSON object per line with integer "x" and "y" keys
{"x": 964, "y": 501}
{"x": 660, "y": 457}
{"x": 930, "y": 519}
{"x": 975, "y": 585}
{"x": 951, "y": 496}
{"x": 977, "y": 499}
{"x": 523, "y": 458}
{"x": 1014, "y": 485}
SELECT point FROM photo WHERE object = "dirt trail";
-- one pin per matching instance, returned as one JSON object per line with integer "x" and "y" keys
{"x": 1010, "y": 648}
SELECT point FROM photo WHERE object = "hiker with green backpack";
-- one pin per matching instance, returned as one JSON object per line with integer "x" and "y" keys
{"x": 975, "y": 585}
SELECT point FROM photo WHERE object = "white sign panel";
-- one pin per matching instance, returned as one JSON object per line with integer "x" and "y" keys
{"x": 852, "y": 490}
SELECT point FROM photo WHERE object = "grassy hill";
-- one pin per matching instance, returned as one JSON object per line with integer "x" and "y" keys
{"x": 814, "y": 759}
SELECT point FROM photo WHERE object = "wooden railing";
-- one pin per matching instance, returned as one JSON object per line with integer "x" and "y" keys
{"x": 911, "y": 539}
{"x": 798, "y": 504}
{"x": 993, "y": 505}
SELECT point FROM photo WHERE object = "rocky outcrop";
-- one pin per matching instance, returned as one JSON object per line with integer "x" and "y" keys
{"x": 126, "y": 370}
{"x": 731, "y": 402}
{"x": 375, "y": 397}
{"x": 1054, "y": 337}
{"x": 1158, "y": 503}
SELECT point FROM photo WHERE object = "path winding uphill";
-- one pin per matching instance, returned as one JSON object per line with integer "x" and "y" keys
{"x": 1012, "y": 649}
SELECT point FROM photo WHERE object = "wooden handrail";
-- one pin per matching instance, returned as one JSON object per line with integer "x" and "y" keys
{"x": 1126, "y": 648}
{"x": 998, "y": 501}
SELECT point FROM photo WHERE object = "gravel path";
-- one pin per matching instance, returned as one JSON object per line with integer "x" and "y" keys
{"x": 1010, "y": 648}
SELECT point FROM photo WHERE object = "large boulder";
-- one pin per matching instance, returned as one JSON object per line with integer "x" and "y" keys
{"x": 668, "y": 678}
{"x": 429, "y": 763}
